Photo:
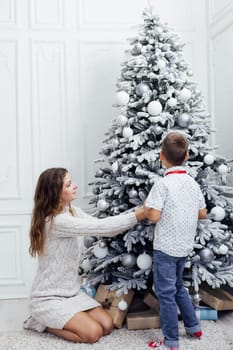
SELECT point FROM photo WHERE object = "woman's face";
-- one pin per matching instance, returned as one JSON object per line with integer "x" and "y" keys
{"x": 69, "y": 190}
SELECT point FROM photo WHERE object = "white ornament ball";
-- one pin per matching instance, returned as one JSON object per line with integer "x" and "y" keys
{"x": 184, "y": 120}
{"x": 144, "y": 261}
{"x": 223, "y": 169}
{"x": 172, "y": 102}
{"x": 185, "y": 94}
{"x": 100, "y": 252}
{"x": 209, "y": 159}
{"x": 114, "y": 166}
{"x": 127, "y": 132}
{"x": 158, "y": 130}
{"x": 154, "y": 107}
{"x": 133, "y": 193}
{"x": 161, "y": 64}
{"x": 122, "y": 98}
{"x": 122, "y": 120}
{"x": 223, "y": 249}
{"x": 142, "y": 88}
{"x": 85, "y": 265}
{"x": 218, "y": 212}
{"x": 122, "y": 305}
{"x": 102, "y": 205}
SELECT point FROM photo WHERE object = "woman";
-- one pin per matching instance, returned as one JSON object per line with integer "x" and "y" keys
{"x": 56, "y": 303}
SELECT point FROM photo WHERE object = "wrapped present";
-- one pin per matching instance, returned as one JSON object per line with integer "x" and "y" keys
{"x": 206, "y": 313}
{"x": 151, "y": 300}
{"x": 143, "y": 320}
{"x": 117, "y": 307}
{"x": 218, "y": 299}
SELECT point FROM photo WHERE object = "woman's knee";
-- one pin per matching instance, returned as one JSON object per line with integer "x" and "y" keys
{"x": 108, "y": 325}
{"x": 95, "y": 332}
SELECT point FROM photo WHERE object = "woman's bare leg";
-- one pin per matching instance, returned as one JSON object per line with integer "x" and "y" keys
{"x": 103, "y": 318}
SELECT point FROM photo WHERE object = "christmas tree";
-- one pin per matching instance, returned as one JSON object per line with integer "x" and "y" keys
{"x": 156, "y": 95}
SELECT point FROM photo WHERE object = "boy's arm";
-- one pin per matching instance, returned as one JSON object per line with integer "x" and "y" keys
{"x": 152, "y": 214}
{"x": 202, "y": 214}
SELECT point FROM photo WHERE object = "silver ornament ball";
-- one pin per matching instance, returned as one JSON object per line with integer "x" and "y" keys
{"x": 206, "y": 255}
{"x": 128, "y": 260}
{"x": 184, "y": 120}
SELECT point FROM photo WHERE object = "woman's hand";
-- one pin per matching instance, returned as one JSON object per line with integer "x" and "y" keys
{"x": 140, "y": 214}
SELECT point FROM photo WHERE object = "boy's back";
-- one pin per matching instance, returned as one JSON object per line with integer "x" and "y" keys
{"x": 179, "y": 199}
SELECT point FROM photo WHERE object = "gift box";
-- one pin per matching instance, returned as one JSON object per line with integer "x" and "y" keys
{"x": 110, "y": 301}
{"x": 218, "y": 299}
{"x": 143, "y": 320}
{"x": 151, "y": 300}
{"x": 206, "y": 313}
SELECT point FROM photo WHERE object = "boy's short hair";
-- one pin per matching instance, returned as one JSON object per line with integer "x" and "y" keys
{"x": 175, "y": 148}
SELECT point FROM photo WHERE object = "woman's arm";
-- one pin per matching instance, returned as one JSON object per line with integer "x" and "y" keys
{"x": 65, "y": 225}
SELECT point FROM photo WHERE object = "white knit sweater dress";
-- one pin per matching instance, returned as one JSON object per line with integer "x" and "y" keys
{"x": 56, "y": 296}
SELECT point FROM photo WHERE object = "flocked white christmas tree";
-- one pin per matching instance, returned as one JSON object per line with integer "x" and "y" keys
{"x": 156, "y": 95}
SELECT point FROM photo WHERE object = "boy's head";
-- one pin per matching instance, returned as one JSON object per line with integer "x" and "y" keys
{"x": 174, "y": 149}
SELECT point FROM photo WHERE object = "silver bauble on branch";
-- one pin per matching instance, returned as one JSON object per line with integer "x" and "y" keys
{"x": 158, "y": 130}
{"x": 95, "y": 190}
{"x": 88, "y": 241}
{"x": 206, "y": 255}
{"x": 137, "y": 49}
{"x": 102, "y": 244}
{"x": 142, "y": 88}
{"x": 154, "y": 108}
{"x": 189, "y": 73}
{"x": 196, "y": 298}
{"x": 209, "y": 159}
{"x": 122, "y": 98}
{"x": 128, "y": 260}
{"x": 218, "y": 213}
{"x": 144, "y": 261}
{"x": 184, "y": 120}
{"x": 99, "y": 173}
{"x": 102, "y": 205}
{"x": 133, "y": 193}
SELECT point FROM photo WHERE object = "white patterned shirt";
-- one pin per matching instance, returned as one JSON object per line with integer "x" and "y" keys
{"x": 179, "y": 198}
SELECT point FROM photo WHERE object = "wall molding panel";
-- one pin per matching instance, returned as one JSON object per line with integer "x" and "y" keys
{"x": 59, "y": 65}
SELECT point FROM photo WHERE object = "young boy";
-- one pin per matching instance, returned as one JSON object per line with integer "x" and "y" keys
{"x": 175, "y": 203}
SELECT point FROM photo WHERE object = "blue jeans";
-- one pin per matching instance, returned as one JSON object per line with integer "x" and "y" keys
{"x": 169, "y": 288}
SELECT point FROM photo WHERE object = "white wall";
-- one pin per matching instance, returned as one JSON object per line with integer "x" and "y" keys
{"x": 59, "y": 62}
{"x": 220, "y": 33}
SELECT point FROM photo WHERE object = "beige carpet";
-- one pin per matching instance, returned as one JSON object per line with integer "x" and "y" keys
{"x": 213, "y": 338}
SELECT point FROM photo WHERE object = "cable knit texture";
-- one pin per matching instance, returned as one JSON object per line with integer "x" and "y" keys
{"x": 55, "y": 296}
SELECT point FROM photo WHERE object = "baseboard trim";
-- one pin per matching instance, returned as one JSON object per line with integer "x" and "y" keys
{"x": 13, "y": 313}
